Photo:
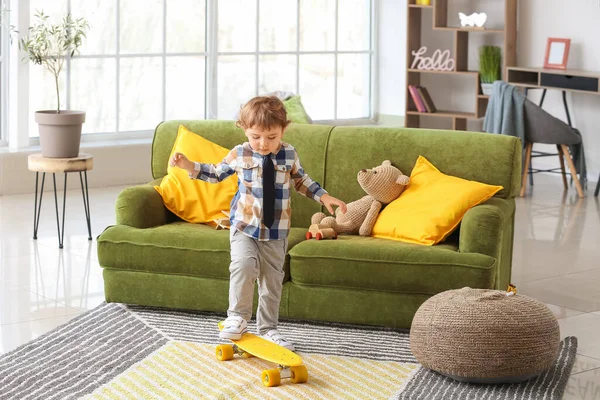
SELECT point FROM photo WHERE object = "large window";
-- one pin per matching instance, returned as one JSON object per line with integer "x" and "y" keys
{"x": 4, "y": 43}
{"x": 320, "y": 49}
{"x": 145, "y": 61}
{"x": 142, "y": 62}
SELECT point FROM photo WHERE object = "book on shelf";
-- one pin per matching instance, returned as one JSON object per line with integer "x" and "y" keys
{"x": 426, "y": 99}
{"x": 422, "y": 99}
{"x": 414, "y": 93}
{"x": 420, "y": 93}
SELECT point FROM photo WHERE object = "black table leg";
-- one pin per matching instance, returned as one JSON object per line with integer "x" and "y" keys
{"x": 60, "y": 225}
{"x": 540, "y": 105}
{"x": 542, "y": 99}
{"x": 61, "y": 232}
{"x": 564, "y": 98}
{"x": 581, "y": 159}
{"x": 36, "y": 207}
{"x": 530, "y": 175}
{"x": 86, "y": 203}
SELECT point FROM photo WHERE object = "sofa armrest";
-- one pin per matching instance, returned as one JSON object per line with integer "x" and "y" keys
{"x": 141, "y": 206}
{"x": 481, "y": 229}
{"x": 489, "y": 229}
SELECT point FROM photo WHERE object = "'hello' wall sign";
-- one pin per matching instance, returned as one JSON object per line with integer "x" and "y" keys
{"x": 439, "y": 61}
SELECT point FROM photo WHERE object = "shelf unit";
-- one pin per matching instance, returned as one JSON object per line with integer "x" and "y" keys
{"x": 460, "y": 54}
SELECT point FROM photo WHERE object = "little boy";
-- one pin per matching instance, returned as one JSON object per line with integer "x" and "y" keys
{"x": 260, "y": 213}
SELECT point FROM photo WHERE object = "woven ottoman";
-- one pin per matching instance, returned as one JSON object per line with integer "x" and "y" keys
{"x": 484, "y": 336}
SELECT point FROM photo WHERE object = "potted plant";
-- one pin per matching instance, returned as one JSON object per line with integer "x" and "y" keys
{"x": 50, "y": 45}
{"x": 490, "y": 64}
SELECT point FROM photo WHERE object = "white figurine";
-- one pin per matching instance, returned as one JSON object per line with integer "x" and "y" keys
{"x": 475, "y": 19}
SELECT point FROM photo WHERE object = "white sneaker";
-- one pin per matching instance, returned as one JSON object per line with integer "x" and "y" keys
{"x": 274, "y": 336}
{"x": 233, "y": 328}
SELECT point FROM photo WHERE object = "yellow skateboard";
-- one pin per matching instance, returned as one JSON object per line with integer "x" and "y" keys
{"x": 290, "y": 364}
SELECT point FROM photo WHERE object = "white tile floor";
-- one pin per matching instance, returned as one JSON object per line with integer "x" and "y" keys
{"x": 556, "y": 260}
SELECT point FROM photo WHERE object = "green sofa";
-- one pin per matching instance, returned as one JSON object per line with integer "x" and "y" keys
{"x": 152, "y": 258}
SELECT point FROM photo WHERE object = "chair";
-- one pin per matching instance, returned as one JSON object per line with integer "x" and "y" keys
{"x": 541, "y": 127}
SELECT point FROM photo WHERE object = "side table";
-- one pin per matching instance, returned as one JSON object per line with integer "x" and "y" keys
{"x": 82, "y": 164}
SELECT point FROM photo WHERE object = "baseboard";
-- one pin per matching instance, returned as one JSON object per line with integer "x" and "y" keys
{"x": 390, "y": 120}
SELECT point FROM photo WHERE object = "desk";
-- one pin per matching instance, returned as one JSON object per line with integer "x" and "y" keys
{"x": 569, "y": 79}
{"x": 81, "y": 163}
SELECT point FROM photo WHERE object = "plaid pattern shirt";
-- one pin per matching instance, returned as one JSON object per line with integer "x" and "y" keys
{"x": 247, "y": 204}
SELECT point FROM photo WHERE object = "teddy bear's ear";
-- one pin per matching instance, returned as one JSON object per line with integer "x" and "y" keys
{"x": 386, "y": 162}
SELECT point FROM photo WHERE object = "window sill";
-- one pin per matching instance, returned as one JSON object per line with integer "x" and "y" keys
{"x": 84, "y": 145}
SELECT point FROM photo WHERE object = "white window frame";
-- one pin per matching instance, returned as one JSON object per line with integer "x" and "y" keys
{"x": 18, "y": 81}
{"x": 18, "y": 95}
{"x": 297, "y": 53}
{"x": 4, "y": 67}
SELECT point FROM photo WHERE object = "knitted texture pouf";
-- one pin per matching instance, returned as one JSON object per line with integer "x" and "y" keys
{"x": 484, "y": 336}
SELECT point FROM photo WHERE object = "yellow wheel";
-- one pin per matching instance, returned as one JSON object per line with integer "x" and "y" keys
{"x": 246, "y": 355}
{"x": 271, "y": 377}
{"x": 299, "y": 374}
{"x": 224, "y": 352}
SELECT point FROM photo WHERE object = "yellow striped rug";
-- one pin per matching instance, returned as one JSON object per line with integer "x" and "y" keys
{"x": 187, "y": 370}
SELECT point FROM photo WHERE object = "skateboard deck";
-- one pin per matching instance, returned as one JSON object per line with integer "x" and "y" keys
{"x": 290, "y": 364}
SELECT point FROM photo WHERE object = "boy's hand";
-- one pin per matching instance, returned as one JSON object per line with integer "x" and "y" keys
{"x": 330, "y": 201}
{"x": 181, "y": 161}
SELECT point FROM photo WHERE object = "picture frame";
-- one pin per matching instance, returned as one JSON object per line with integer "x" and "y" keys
{"x": 557, "y": 53}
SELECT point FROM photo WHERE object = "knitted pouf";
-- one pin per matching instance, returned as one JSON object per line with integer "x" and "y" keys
{"x": 484, "y": 336}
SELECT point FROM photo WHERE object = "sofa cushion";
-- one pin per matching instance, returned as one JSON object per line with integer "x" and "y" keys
{"x": 378, "y": 264}
{"x": 310, "y": 141}
{"x": 194, "y": 200}
{"x": 431, "y": 207}
{"x": 179, "y": 248}
{"x": 483, "y": 157}
{"x": 295, "y": 110}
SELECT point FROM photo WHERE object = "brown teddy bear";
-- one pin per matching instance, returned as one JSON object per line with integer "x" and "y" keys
{"x": 383, "y": 184}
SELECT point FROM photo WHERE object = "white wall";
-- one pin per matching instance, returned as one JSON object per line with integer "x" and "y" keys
{"x": 114, "y": 164}
{"x": 538, "y": 20}
{"x": 579, "y": 21}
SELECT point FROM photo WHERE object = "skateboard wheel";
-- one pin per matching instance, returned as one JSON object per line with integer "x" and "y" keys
{"x": 245, "y": 354}
{"x": 299, "y": 374}
{"x": 319, "y": 236}
{"x": 308, "y": 235}
{"x": 271, "y": 377}
{"x": 224, "y": 352}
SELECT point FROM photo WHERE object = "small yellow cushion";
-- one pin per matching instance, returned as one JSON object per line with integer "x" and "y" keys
{"x": 431, "y": 207}
{"x": 190, "y": 199}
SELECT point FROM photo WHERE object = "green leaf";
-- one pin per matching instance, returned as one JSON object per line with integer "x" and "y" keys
{"x": 490, "y": 63}
{"x": 48, "y": 44}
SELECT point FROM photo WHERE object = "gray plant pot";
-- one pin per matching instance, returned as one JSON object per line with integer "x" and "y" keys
{"x": 60, "y": 134}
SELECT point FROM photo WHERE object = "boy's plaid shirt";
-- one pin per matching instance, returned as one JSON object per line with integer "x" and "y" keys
{"x": 247, "y": 204}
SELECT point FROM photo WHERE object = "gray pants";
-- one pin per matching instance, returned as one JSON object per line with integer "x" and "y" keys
{"x": 262, "y": 261}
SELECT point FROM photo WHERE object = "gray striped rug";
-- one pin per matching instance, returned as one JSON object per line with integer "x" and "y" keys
{"x": 76, "y": 359}
{"x": 429, "y": 385}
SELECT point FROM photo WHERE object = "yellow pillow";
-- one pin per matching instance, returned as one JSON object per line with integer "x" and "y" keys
{"x": 190, "y": 199}
{"x": 431, "y": 207}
